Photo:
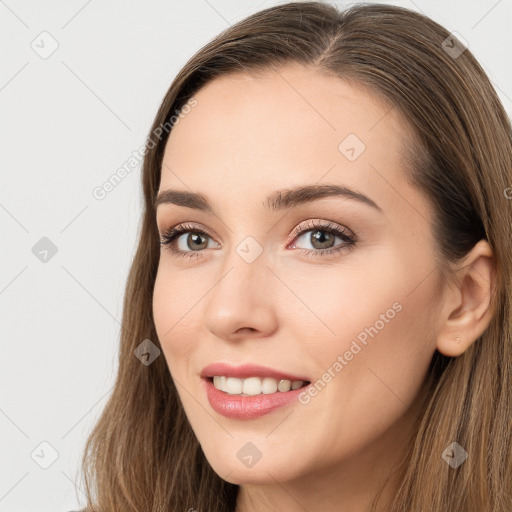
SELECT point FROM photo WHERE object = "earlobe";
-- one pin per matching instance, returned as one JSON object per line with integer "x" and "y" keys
{"x": 467, "y": 309}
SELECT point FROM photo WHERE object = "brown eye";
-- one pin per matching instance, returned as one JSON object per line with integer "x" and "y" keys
{"x": 196, "y": 241}
{"x": 186, "y": 240}
{"x": 322, "y": 238}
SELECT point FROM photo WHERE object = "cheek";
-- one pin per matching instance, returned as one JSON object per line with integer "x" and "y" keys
{"x": 370, "y": 368}
{"x": 374, "y": 331}
{"x": 340, "y": 305}
{"x": 174, "y": 298}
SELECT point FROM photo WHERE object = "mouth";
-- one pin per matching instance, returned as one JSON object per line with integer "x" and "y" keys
{"x": 251, "y": 397}
{"x": 253, "y": 386}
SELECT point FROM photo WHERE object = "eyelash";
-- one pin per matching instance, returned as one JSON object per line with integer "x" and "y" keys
{"x": 168, "y": 238}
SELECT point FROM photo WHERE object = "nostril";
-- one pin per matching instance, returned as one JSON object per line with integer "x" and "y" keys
{"x": 243, "y": 330}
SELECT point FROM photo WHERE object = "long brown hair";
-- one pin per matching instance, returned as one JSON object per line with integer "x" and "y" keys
{"x": 143, "y": 456}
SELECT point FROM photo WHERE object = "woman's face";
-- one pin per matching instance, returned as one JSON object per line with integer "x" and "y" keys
{"x": 279, "y": 284}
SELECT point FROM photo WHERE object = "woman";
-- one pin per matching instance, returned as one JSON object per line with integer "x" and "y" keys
{"x": 255, "y": 375}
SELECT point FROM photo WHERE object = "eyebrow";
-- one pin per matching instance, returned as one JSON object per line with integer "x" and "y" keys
{"x": 278, "y": 200}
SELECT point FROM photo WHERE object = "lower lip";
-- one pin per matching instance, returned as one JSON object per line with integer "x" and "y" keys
{"x": 247, "y": 407}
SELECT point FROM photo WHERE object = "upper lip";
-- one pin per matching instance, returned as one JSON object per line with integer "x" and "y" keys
{"x": 247, "y": 370}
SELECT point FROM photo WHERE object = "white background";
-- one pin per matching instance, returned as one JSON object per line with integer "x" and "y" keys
{"x": 68, "y": 122}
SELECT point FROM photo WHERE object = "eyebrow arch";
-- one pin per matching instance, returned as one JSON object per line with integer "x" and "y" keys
{"x": 278, "y": 200}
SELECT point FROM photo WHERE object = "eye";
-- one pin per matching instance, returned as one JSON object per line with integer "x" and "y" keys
{"x": 186, "y": 240}
{"x": 321, "y": 237}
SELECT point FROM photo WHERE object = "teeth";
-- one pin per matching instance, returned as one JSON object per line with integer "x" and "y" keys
{"x": 269, "y": 385}
{"x": 254, "y": 385}
{"x": 220, "y": 383}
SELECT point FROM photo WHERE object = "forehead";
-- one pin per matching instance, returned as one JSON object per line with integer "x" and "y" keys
{"x": 284, "y": 128}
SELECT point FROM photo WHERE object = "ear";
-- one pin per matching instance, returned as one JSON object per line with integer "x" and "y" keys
{"x": 466, "y": 311}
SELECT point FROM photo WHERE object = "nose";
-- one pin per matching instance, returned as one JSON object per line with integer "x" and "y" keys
{"x": 241, "y": 303}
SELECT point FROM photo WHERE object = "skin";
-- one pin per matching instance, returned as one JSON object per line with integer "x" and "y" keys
{"x": 247, "y": 137}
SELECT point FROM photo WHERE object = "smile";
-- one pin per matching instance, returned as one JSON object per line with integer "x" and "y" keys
{"x": 252, "y": 386}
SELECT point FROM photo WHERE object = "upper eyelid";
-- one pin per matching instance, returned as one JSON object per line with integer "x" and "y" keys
{"x": 184, "y": 227}
{"x": 300, "y": 229}
{"x": 322, "y": 224}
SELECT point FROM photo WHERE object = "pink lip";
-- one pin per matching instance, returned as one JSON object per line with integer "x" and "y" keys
{"x": 247, "y": 407}
{"x": 247, "y": 370}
